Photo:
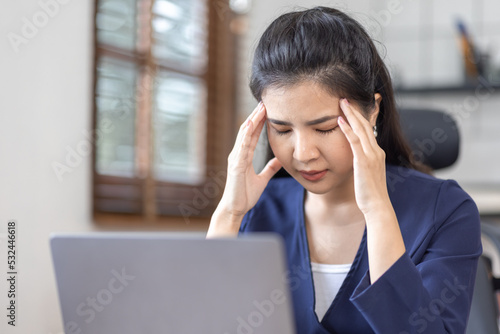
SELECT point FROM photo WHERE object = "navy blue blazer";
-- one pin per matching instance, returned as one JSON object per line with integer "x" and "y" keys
{"x": 428, "y": 290}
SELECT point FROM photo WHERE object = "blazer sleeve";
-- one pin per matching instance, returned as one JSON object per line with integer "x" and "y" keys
{"x": 434, "y": 294}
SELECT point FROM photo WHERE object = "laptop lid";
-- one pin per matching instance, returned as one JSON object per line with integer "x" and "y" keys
{"x": 118, "y": 283}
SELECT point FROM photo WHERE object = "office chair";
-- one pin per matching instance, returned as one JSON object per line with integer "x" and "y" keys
{"x": 433, "y": 136}
{"x": 434, "y": 139}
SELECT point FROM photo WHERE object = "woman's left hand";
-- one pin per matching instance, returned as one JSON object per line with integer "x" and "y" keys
{"x": 370, "y": 185}
{"x": 385, "y": 242}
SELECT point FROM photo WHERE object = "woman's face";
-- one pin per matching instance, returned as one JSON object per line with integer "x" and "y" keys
{"x": 304, "y": 135}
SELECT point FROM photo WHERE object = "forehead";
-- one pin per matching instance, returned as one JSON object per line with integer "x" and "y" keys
{"x": 303, "y": 99}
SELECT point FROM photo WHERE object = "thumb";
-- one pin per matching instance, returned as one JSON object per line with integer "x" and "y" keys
{"x": 271, "y": 168}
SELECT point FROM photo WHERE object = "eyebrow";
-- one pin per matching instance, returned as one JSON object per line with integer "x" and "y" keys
{"x": 313, "y": 122}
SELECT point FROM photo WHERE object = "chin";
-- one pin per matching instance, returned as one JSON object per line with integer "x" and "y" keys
{"x": 318, "y": 189}
{"x": 327, "y": 184}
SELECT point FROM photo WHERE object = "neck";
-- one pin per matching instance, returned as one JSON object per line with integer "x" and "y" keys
{"x": 337, "y": 207}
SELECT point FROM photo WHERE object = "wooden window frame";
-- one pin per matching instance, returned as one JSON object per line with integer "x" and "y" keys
{"x": 154, "y": 203}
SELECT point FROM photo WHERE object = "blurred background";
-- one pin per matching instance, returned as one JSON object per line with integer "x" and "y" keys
{"x": 120, "y": 114}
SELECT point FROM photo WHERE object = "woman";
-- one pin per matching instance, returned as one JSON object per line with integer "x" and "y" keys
{"x": 385, "y": 247}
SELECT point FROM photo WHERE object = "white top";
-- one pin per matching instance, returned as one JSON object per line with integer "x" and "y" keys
{"x": 327, "y": 279}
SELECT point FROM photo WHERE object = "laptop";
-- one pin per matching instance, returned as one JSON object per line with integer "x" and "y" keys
{"x": 141, "y": 283}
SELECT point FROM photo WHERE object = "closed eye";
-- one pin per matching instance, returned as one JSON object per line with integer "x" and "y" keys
{"x": 281, "y": 133}
{"x": 325, "y": 132}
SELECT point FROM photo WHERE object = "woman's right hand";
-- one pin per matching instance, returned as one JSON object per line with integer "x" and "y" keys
{"x": 243, "y": 186}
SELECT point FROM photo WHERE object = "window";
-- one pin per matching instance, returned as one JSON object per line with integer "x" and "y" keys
{"x": 163, "y": 101}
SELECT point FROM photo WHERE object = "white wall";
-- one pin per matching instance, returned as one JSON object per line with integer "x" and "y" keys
{"x": 44, "y": 107}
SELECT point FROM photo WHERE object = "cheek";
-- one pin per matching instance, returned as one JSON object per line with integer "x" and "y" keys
{"x": 342, "y": 151}
{"x": 336, "y": 146}
{"x": 343, "y": 142}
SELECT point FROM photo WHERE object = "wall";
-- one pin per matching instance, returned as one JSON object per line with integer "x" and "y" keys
{"x": 44, "y": 108}
{"x": 421, "y": 38}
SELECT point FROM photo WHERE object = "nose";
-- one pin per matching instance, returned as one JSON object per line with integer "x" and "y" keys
{"x": 305, "y": 149}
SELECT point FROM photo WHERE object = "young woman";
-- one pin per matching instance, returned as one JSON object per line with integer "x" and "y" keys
{"x": 385, "y": 247}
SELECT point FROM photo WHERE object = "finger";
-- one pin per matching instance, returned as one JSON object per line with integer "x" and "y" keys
{"x": 366, "y": 124}
{"x": 241, "y": 154}
{"x": 259, "y": 113}
{"x": 356, "y": 120}
{"x": 359, "y": 125}
{"x": 258, "y": 128}
{"x": 241, "y": 131}
{"x": 271, "y": 168}
{"x": 352, "y": 138}
{"x": 256, "y": 135}
{"x": 239, "y": 136}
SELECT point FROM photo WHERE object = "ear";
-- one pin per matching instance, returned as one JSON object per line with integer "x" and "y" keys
{"x": 374, "y": 114}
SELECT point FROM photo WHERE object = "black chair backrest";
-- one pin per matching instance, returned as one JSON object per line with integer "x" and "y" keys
{"x": 433, "y": 136}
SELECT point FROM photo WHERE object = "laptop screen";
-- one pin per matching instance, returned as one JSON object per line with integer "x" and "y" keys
{"x": 164, "y": 283}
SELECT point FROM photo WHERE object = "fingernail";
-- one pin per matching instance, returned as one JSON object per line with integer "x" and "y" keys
{"x": 346, "y": 101}
{"x": 341, "y": 120}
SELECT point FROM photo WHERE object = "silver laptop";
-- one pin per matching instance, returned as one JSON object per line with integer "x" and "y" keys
{"x": 141, "y": 283}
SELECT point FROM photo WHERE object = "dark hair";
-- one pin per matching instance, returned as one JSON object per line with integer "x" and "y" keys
{"x": 328, "y": 47}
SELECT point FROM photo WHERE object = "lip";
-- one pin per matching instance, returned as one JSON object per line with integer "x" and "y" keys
{"x": 313, "y": 175}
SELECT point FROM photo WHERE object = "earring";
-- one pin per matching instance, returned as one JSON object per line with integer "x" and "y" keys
{"x": 375, "y": 133}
